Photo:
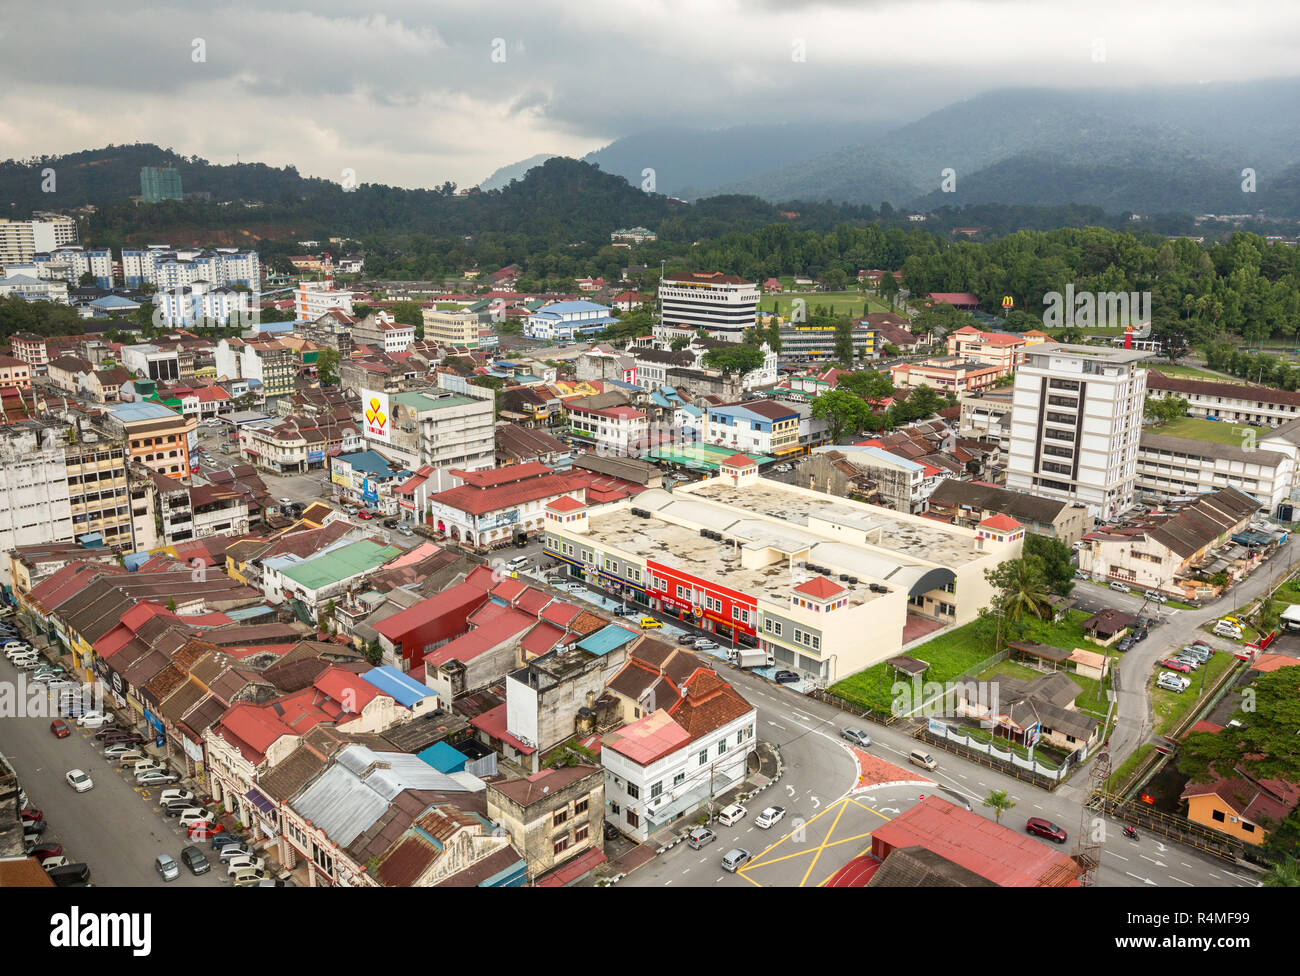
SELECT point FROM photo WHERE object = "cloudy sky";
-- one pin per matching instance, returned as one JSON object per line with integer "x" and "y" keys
{"x": 421, "y": 92}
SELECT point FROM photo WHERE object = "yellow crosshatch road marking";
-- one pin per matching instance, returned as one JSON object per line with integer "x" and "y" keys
{"x": 829, "y": 841}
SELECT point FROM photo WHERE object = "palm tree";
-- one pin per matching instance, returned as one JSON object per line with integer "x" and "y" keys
{"x": 999, "y": 802}
{"x": 1284, "y": 874}
{"x": 1024, "y": 588}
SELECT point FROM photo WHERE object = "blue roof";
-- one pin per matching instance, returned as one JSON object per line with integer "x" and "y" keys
{"x": 399, "y": 686}
{"x": 880, "y": 454}
{"x": 622, "y": 385}
{"x": 370, "y": 462}
{"x": 608, "y": 638}
{"x": 444, "y": 758}
{"x": 140, "y": 410}
{"x": 114, "y": 301}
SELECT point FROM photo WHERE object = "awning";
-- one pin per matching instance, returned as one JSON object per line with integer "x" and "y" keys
{"x": 573, "y": 871}
{"x": 260, "y": 801}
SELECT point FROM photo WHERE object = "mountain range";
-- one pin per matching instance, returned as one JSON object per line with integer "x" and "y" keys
{"x": 1177, "y": 148}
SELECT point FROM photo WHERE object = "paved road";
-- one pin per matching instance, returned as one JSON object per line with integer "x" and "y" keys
{"x": 115, "y": 828}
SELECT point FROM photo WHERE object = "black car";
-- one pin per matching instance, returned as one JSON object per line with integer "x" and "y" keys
{"x": 194, "y": 859}
{"x": 390, "y": 523}
{"x": 1140, "y": 634}
{"x": 1125, "y": 644}
{"x": 686, "y": 638}
{"x": 785, "y": 677}
{"x": 611, "y": 832}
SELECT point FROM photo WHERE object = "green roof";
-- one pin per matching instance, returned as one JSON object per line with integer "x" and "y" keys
{"x": 699, "y": 457}
{"x": 341, "y": 564}
{"x": 422, "y": 401}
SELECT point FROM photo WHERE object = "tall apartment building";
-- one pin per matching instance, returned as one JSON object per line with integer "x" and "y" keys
{"x": 159, "y": 183}
{"x": 201, "y": 303}
{"x": 1076, "y": 422}
{"x": 32, "y": 349}
{"x": 723, "y": 305}
{"x": 72, "y": 261}
{"x": 451, "y": 328}
{"x": 22, "y": 240}
{"x": 170, "y": 267}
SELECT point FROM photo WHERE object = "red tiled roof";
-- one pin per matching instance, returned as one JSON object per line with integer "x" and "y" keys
{"x": 819, "y": 588}
{"x": 1001, "y": 523}
{"x": 479, "y": 501}
{"x": 566, "y": 503}
{"x": 739, "y": 461}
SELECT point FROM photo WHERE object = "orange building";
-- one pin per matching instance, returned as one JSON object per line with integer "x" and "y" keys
{"x": 1238, "y": 805}
{"x": 157, "y": 437}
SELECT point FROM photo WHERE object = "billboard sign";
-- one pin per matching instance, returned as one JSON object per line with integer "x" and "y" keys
{"x": 377, "y": 416}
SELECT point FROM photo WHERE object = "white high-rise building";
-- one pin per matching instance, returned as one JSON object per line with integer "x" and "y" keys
{"x": 1076, "y": 420}
{"x": 723, "y": 305}
{"x": 71, "y": 261}
{"x": 21, "y": 240}
{"x": 178, "y": 267}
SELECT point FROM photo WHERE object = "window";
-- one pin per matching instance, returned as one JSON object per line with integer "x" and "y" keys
{"x": 632, "y": 819}
{"x": 657, "y": 790}
{"x": 722, "y": 748}
{"x": 633, "y": 791}
{"x": 580, "y": 834}
{"x": 679, "y": 779}
{"x": 1218, "y": 815}
{"x": 1248, "y": 827}
{"x": 704, "y": 757}
{"x": 741, "y": 614}
{"x": 563, "y": 843}
{"x": 559, "y": 818}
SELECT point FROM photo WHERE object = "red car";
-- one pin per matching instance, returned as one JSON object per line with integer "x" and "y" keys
{"x": 364, "y": 514}
{"x": 60, "y": 729}
{"x": 203, "y": 829}
{"x": 42, "y": 851}
{"x": 31, "y": 815}
{"x": 1173, "y": 664}
{"x": 1045, "y": 828}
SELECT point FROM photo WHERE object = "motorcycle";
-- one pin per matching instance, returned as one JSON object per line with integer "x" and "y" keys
{"x": 1131, "y": 833}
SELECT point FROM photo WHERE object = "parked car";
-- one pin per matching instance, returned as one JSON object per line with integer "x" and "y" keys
{"x": 157, "y": 777}
{"x": 60, "y": 728}
{"x": 93, "y": 720}
{"x": 248, "y": 878}
{"x": 169, "y": 796}
{"x": 1192, "y": 662}
{"x": 166, "y": 867}
{"x": 29, "y": 815}
{"x": 1172, "y": 682}
{"x": 227, "y": 851}
{"x": 517, "y": 563}
{"x": 649, "y": 623}
{"x": 1173, "y": 664}
{"x": 785, "y": 677}
{"x": 770, "y": 816}
{"x": 78, "y": 780}
{"x": 202, "y": 829}
{"x": 856, "y": 736}
{"x": 245, "y": 863}
{"x": 194, "y": 859}
{"x": 405, "y": 530}
{"x": 194, "y": 815}
{"x": 1140, "y": 634}
{"x": 147, "y": 766}
{"x": 735, "y": 859}
{"x": 390, "y": 523}
{"x": 732, "y": 815}
{"x": 686, "y": 639}
{"x": 1045, "y": 828}
{"x": 128, "y": 758}
{"x": 40, "y": 851}
{"x": 704, "y": 644}
{"x": 57, "y": 861}
{"x": 700, "y": 837}
{"x": 364, "y": 515}
{"x": 1120, "y": 588}
{"x": 1125, "y": 644}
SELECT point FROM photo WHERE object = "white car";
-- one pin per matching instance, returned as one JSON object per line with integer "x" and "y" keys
{"x": 732, "y": 815}
{"x": 156, "y": 777}
{"x": 112, "y": 752}
{"x": 147, "y": 766}
{"x": 704, "y": 644}
{"x": 244, "y": 863}
{"x": 193, "y": 815}
{"x": 13, "y": 648}
{"x": 78, "y": 780}
{"x": 94, "y": 720}
{"x": 177, "y": 794}
{"x": 769, "y": 817}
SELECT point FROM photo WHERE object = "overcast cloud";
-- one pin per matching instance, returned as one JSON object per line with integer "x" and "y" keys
{"x": 411, "y": 95}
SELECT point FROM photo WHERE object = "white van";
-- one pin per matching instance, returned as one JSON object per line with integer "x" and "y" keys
{"x": 732, "y": 815}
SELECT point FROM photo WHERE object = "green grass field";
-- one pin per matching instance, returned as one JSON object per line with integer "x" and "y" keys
{"x": 1211, "y": 431}
{"x": 1171, "y": 707}
{"x": 951, "y": 655}
{"x": 1189, "y": 372}
{"x": 840, "y": 302}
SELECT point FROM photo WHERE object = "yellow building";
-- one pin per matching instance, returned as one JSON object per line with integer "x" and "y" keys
{"x": 451, "y": 328}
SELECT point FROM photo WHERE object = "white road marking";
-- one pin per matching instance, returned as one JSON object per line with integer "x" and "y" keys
{"x": 775, "y": 725}
{"x": 687, "y": 871}
{"x": 1113, "y": 854}
{"x": 1182, "y": 882}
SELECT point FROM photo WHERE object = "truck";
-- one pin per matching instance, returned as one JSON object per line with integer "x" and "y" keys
{"x": 749, "y": 658}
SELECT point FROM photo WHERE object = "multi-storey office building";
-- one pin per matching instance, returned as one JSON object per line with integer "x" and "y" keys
{"x": 724, "y": 306}
{"x": 1076, "y": 422}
